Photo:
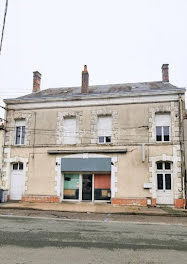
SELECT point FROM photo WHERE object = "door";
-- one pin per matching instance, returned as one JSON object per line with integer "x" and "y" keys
{"x": 164, "y": 183}
{"x": 87, "y": 187}
{"x": 164, "y": 189}
{"x": 16, "y": 184}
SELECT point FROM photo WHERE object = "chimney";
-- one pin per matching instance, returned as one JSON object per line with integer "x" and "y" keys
{"x": 165, "y": 72}
{"x": 36, "y": 81}
{"x": 85, "y": 80}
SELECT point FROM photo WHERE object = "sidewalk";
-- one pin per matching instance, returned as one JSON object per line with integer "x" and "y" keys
{"x": 102, "y": 208}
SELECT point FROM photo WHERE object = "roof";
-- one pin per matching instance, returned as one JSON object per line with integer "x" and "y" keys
{"x": 102, "y": 90}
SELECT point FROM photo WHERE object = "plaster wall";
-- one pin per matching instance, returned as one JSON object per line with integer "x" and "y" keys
{"x": 132, "y": 125}
{"x": 45, "y": 126}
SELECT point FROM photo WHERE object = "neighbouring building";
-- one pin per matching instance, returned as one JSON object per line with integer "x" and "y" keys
{"x": 185, "y": 151}
{"x": 1, "y": 148}
{"x": 118, "y": 143}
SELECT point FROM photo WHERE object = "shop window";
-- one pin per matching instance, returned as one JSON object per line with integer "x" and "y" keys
{"x": 71, "y": 186}
{"x": 102, "y": 189}
{"x": 20, "y": 132}
{"x": 163, "y": 127}
{"x": 69, "y": 130}
{"x": 104, "y": 129}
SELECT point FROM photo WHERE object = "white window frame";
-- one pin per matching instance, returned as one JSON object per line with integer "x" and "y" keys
{"x": 20, "y": 124}
{"x": 104, "y": 140}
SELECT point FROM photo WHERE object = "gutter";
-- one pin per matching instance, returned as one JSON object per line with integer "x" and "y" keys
{"x": 80, "y": 97}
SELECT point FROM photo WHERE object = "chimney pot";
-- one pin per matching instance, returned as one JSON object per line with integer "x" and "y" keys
{"x": 36, "y": 81}
{"x": 85, "y": 68}
{"x": 85, "y": 80}
{"x": 165, "y": 72}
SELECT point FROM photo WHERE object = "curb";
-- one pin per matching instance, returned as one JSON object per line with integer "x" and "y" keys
{"x": 113, "y": 213}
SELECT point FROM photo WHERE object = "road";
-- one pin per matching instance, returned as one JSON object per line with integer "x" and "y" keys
{"x": 25, "y": 240}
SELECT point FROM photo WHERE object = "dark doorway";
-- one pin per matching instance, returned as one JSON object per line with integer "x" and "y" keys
{"x": 87, "y": 187}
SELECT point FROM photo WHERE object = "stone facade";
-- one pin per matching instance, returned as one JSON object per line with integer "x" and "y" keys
{"x": 133, "y": 149}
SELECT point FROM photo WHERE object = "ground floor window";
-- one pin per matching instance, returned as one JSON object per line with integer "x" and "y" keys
{"x": 87, "y": 187}
{"x": 71, "y": 186}
{"x": 102, "y": 186}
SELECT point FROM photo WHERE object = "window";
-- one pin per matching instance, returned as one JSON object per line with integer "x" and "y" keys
{"x": 163, "y": 124}
{"x": 71, "y": 186}
{"x": 104, "y": 129}
{"x": 18, "y": 166}
{"x": 164, "y": 175}
{"x": 69, "y": 131}
{"x": 20, "y": 132}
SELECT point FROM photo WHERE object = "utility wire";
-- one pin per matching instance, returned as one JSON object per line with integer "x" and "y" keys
{"x": 2, "y": 34}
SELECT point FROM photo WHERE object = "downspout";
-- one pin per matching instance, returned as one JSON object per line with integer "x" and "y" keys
{"x": 3, "y": 145}
{"x": 181, "y": 137}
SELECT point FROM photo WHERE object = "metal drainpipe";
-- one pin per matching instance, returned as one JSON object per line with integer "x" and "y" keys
{"x": 182, "y": 146}
{"x": 3, "y": 146}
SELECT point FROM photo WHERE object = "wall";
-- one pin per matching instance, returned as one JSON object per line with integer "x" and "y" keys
{"x": 133, "y": 125}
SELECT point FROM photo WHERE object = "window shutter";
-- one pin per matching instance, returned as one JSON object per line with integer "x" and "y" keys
{"x": 69, "y": 130}
{"x": 104, "y": 126}
{"x": 163, "y": 120}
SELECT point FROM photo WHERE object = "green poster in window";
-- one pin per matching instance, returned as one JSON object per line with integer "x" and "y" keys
{"x": 71, "y": 181}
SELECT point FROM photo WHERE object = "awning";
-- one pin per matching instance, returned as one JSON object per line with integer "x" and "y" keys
{"x": 86, "y": 165}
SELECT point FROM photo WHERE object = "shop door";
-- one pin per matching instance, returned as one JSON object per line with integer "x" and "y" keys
{"x": 87, "y": 187}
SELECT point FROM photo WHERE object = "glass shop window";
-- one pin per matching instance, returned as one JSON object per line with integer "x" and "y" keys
{"x": 71, "y": 186}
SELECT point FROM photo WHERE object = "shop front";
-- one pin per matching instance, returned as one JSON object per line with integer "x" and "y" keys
{"x": 86, "y": 179}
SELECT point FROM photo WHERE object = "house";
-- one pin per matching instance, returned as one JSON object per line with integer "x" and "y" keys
{"x": 118, "y": 143}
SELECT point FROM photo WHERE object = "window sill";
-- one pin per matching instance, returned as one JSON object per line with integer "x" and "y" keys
{"x": 17, "y": 145}
{"x": 163, "y": 142}
{"x": 105, "y": 144}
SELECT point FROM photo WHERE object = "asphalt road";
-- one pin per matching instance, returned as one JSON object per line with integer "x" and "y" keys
{"x": 45, "y": 240}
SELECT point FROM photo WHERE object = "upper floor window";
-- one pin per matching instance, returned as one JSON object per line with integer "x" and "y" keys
{"x": 20, "y": 132}
{"x": 163, "y": 127}
{"x": 69, "y": 130}
{"x": 104, "y": 129}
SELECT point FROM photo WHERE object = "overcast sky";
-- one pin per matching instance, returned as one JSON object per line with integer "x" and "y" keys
{"x": 120, "y": 41}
